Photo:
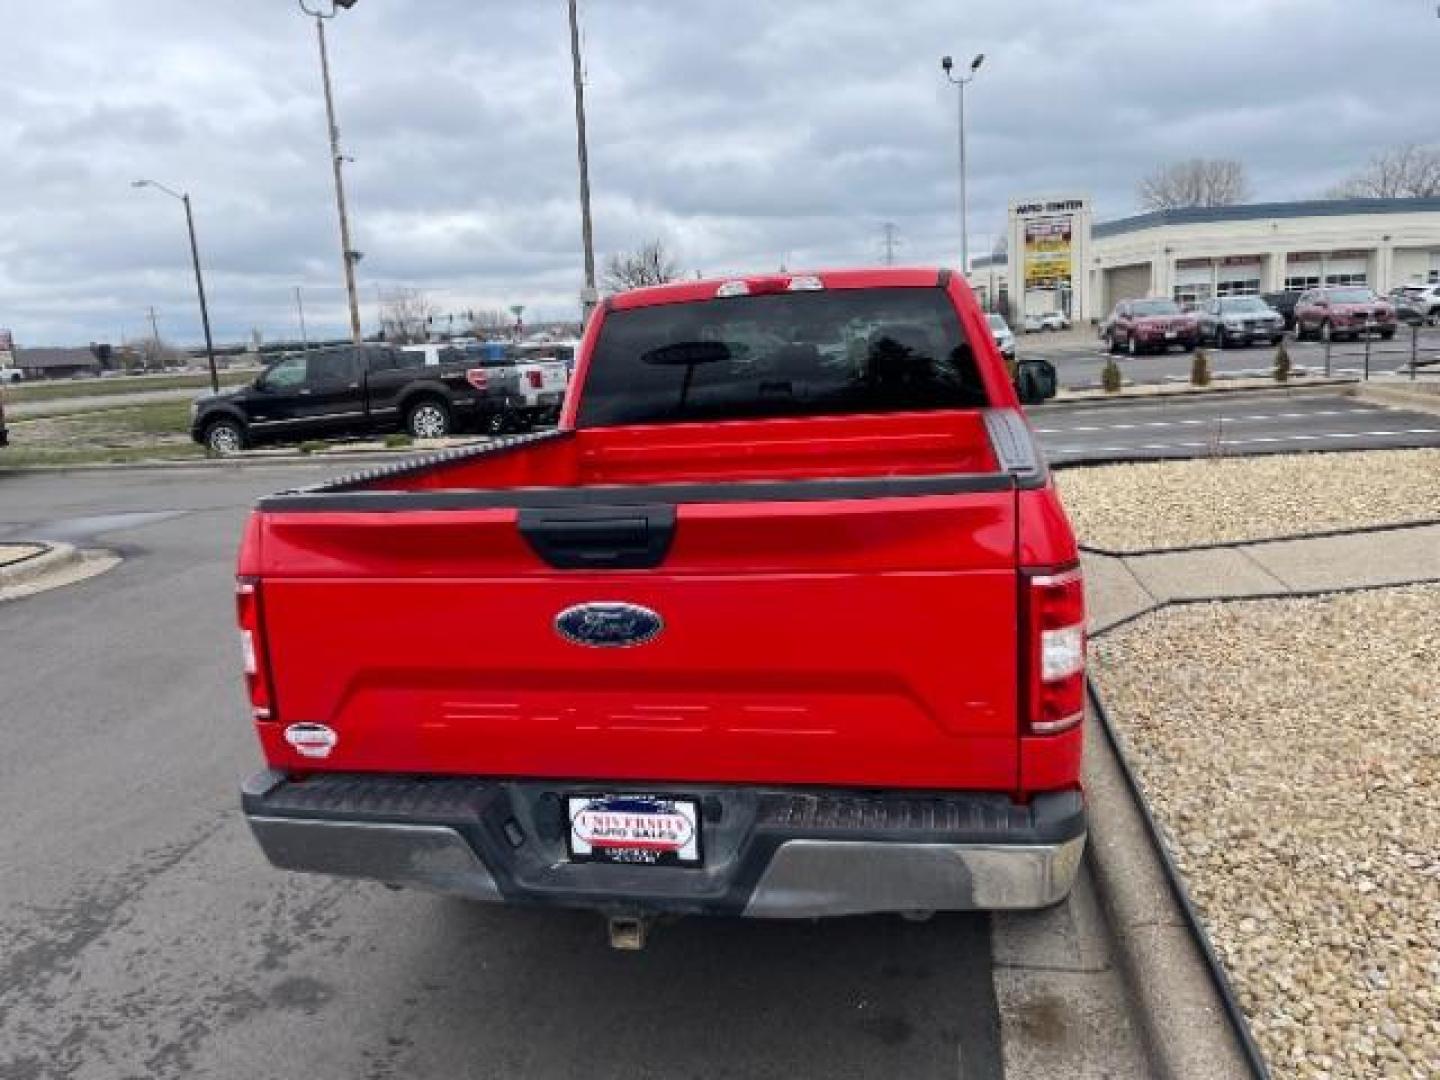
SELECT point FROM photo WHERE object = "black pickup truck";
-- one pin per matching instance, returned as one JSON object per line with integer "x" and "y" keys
{"x": 351, "y": 390}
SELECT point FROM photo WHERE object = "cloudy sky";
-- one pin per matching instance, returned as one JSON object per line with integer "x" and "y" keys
{"x": 743, "y": 133}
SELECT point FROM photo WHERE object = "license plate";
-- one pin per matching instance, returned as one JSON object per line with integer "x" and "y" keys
{"x": 635, "y": 830}
{"x": 1170, "y": 335}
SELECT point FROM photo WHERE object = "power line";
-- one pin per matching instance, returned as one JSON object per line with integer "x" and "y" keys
{"x": 890, "y": 240}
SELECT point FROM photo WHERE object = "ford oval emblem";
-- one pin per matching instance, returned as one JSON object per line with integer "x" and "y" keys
{"x": 609, "y": 624}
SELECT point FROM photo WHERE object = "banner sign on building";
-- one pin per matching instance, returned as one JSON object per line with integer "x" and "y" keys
{"x": 1048, "y": 254}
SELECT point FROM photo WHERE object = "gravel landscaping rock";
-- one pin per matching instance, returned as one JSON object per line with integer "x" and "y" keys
{"x": 1213, "y": 500}
{"x": 1288, "y": 749}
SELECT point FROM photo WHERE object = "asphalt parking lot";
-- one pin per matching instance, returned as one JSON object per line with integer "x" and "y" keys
{"x": 1277, "y": 423}
{"x": 141, "y": 933}
{"x": 1080, "y": 357}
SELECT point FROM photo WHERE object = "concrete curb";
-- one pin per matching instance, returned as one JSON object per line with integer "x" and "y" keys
{"x": 1422, "y": 398}
{"x": 1180, "y": 1009}
{"x": 48, "y": 560}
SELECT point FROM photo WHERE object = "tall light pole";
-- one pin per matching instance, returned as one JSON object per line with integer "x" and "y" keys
{"x": 962, "y": 82}
{"x": 588, "y": 296}
{"x": 199, "y": 278}
{"x": 349, "y": 256}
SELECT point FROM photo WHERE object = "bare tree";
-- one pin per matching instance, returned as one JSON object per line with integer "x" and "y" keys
{"x": 649, "y": 264}
{"x": 1197, "y": 182}
{"x": 405, "y": 316}
{"x": 1402, "y": 172}
{"x": 488, "y": 320}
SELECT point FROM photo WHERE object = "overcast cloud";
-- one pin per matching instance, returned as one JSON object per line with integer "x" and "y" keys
{"x": 744, "y": 133}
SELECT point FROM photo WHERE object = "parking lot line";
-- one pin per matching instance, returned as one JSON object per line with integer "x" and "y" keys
{"x": 1255, "y": 440}
{"x": 1200, "y": 421}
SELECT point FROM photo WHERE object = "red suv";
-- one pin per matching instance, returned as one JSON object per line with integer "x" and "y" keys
{"x": 1336, "y": 313}
{"x": 1136, "y": 326}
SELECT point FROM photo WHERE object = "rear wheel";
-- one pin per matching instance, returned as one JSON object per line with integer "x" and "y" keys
{"x": 1386, "y": 335}
{"x": 428, "y": 418}
{"x": 224, "y": 438}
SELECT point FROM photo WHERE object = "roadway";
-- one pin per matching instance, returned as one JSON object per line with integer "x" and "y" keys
{"x": 1279, "y": 423}
{"x": 142, "y": 934}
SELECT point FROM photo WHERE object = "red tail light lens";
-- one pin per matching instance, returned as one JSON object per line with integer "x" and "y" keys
{"x": 537, "y": 380}
{"x": 252, "y": 646}
{"x": 478, "y": 378}
{"x": 1054, "y": 643}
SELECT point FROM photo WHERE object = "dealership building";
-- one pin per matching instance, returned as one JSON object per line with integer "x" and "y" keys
{"x": 1069, "y": 263}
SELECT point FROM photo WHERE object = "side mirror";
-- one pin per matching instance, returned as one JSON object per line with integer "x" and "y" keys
{"x": 1035, "y": 381}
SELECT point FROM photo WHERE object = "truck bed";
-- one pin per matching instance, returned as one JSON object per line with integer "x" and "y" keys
{"x": 817, "y": 592}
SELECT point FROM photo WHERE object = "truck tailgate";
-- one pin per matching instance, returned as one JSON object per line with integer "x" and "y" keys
{"x": 844, "y": 641}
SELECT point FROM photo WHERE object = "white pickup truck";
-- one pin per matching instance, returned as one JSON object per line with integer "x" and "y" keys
{"x": 542, "y": 375}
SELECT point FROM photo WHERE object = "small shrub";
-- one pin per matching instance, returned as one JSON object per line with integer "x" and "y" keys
{"x": 311, "y": 447}
{"x": 1111, "y": 378}
{"x": 1200, "y": 368}
{"x": 397, "y": 440}
{"x": 1282, "y": 363}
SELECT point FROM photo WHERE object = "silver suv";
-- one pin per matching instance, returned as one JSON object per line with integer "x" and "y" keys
{"x": 1426, "y": 301}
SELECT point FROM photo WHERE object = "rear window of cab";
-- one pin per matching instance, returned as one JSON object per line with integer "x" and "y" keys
{"x": 781, "y": 354}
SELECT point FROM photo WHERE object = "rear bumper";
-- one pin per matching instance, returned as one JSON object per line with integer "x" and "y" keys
{"x": 772, "y": 853}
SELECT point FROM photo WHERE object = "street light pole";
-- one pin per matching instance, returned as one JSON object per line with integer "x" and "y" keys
{"x": 349, "y": 256}
{"x": 199, "y": 277}
{"x": 948, "y": 64}
{"x": 588, "y": 297}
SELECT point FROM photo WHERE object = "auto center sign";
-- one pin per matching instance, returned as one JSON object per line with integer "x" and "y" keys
{"x": 1048, "y": 241}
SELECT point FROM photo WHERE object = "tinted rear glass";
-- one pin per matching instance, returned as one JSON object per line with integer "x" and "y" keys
{"x": 783, "y": 354}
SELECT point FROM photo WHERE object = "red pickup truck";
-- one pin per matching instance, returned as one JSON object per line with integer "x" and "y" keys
{"x": 785, "y": 620}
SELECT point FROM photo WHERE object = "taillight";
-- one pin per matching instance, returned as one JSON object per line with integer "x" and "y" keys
{"x": 537, "y": 380}
{"x": 478, "y": 378}
{"x": 252, "y": 647}
{"x": 1054, "y": 643}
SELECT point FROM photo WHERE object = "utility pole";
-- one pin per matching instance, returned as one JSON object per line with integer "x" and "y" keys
{"x": 349, "y": 256}
{"x": 947, "y": 64}
{"x": 300, "y": 307}
{"x": 891, "y": 240}
{"x": 154, "y": 329}
{"x": 589, "y": 297}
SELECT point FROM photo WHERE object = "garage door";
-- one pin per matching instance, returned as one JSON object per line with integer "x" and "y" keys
{"x": 1126, "y": 283}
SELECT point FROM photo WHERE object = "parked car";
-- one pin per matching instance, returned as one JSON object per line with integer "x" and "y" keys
{"x": 1049, "y": 320}
{"x": 1407, "y": 309}
{"x": 1343, "y": 312}
{"x": 1284, "y": 303}
{"x": 1240, "y": 320}
{"x": 541, "y": 379}
{"x": 1425, "y": 301}
{"x": 354, "y": 390}
{"x": 1137, "y": 326}
{"x": 1004, "y": 336}
{"x": 694, "y": 652}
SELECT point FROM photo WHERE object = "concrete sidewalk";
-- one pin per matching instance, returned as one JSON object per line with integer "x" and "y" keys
{"x": 1121, "y": 587}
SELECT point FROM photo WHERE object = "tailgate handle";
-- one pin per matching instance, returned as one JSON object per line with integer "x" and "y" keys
{"x": 600, "y": 537}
